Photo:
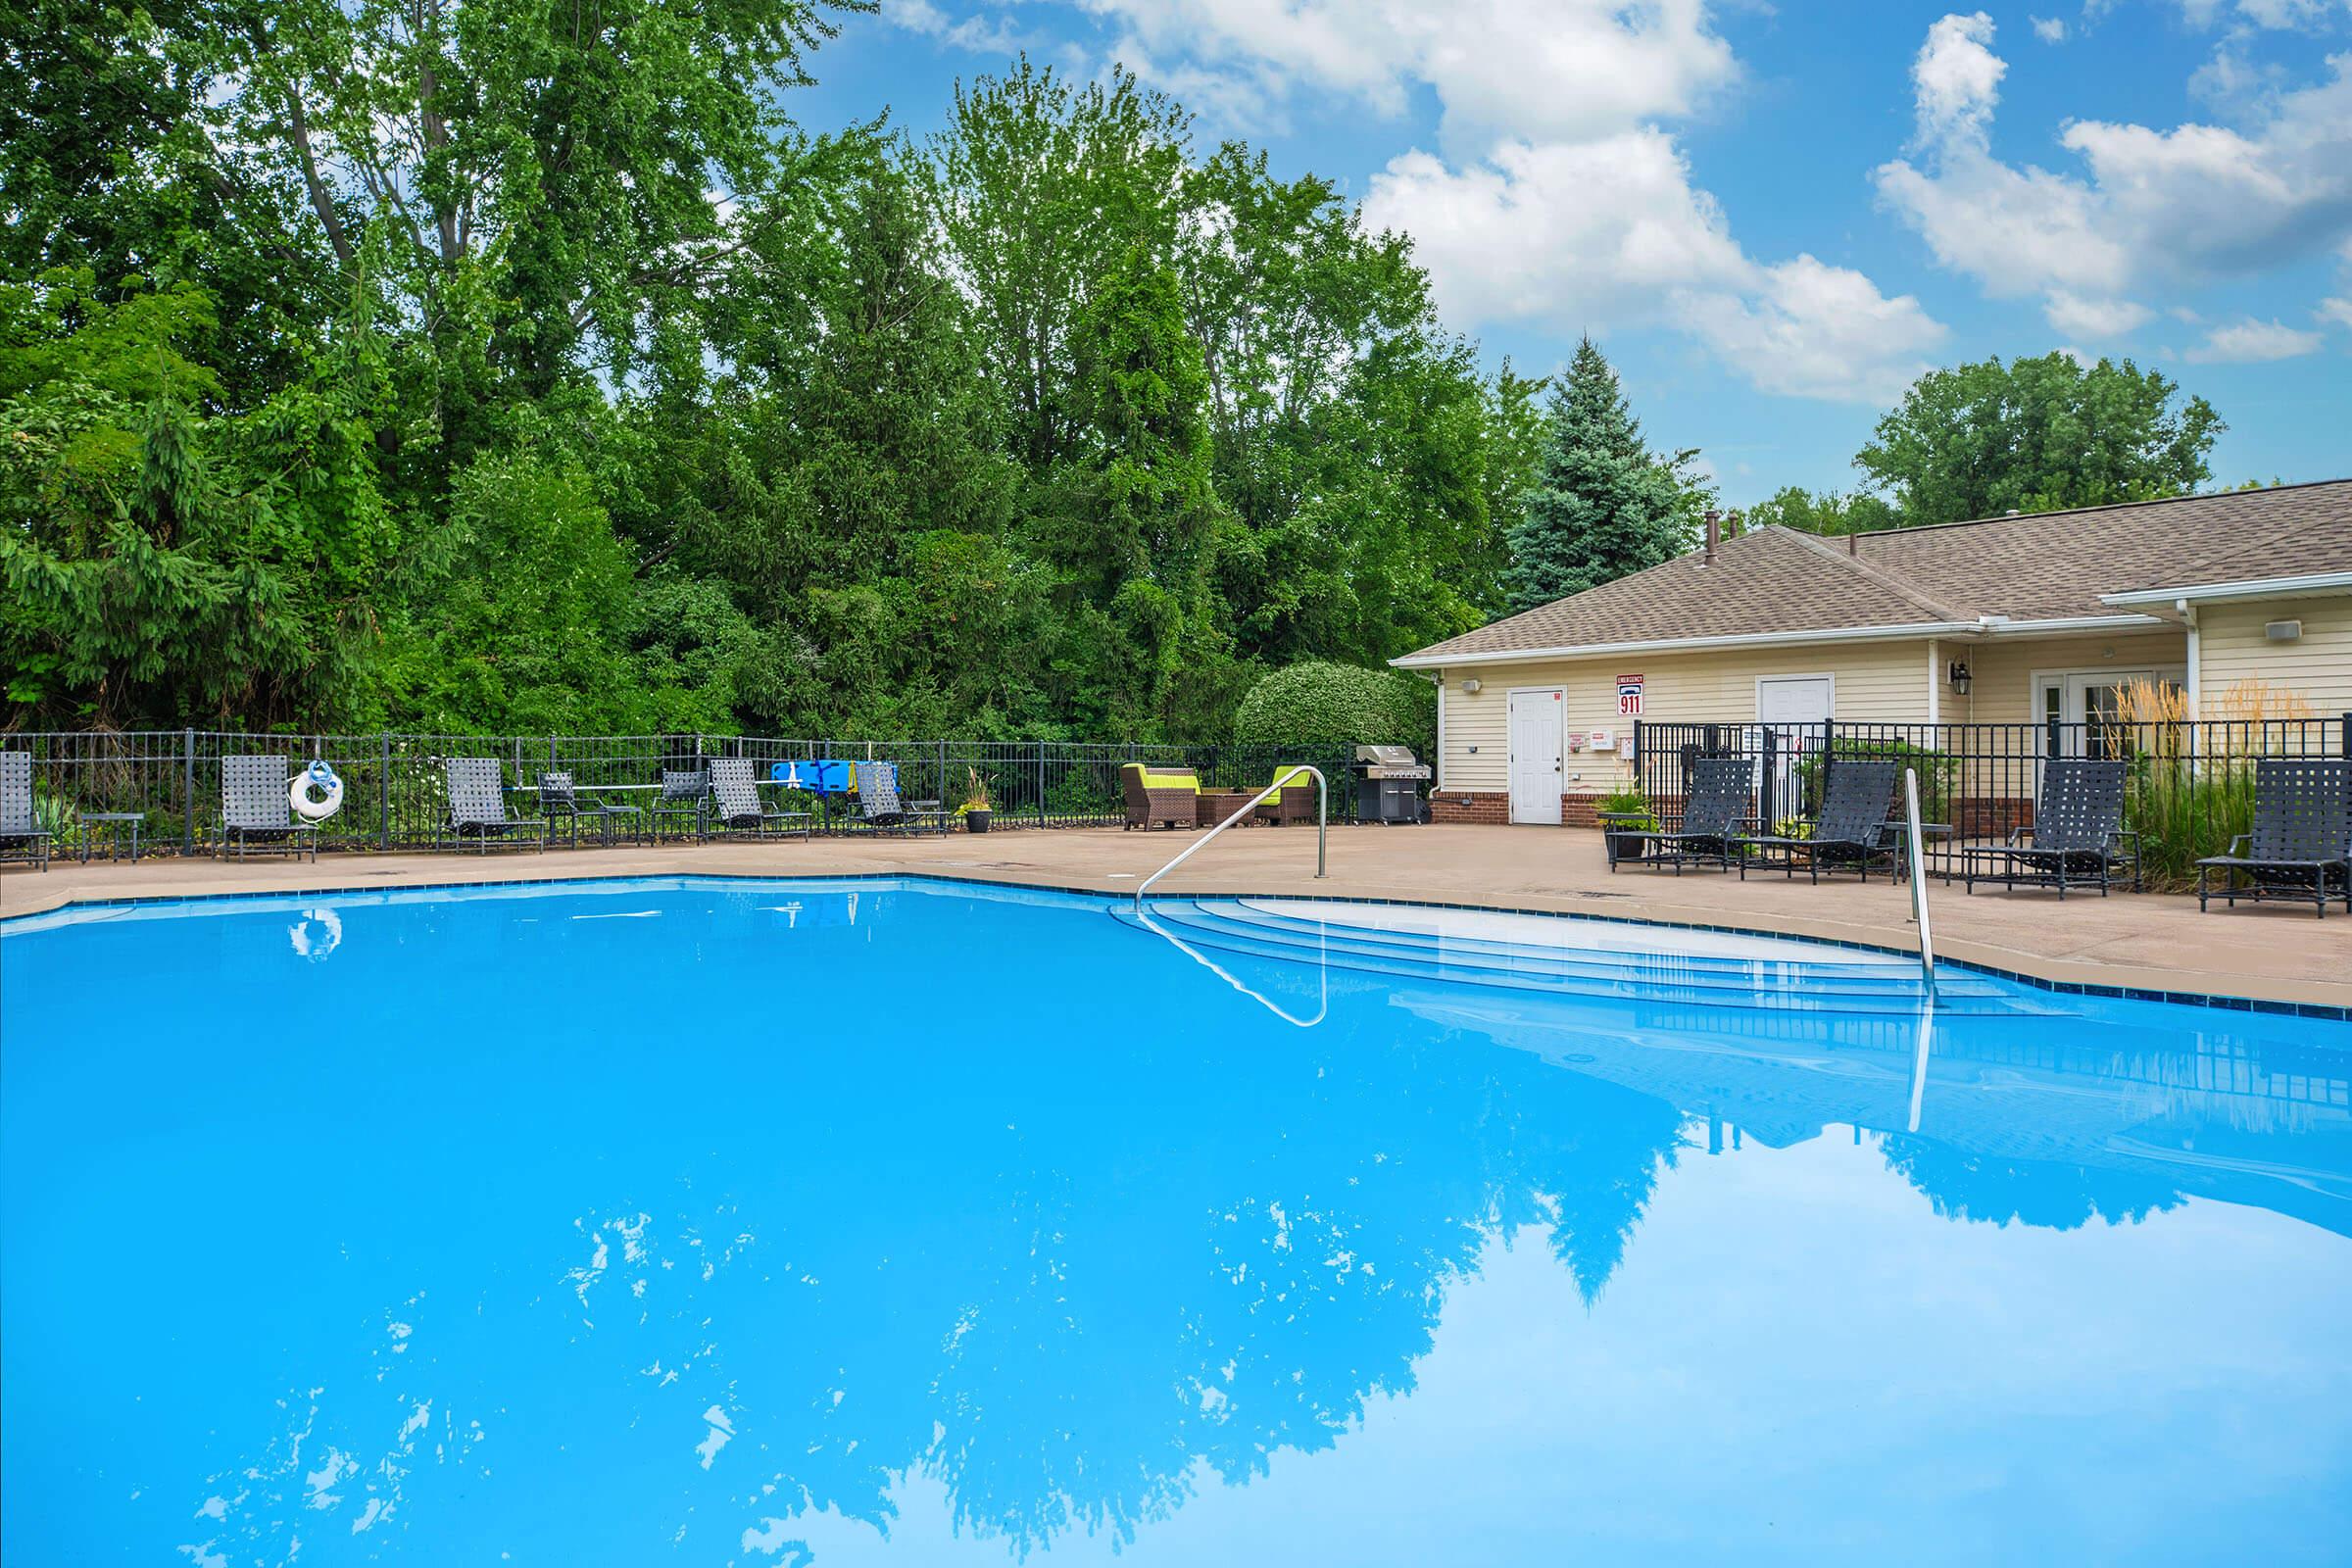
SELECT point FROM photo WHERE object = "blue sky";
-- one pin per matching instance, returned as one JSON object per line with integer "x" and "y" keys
{"x": 1773, "y": 217}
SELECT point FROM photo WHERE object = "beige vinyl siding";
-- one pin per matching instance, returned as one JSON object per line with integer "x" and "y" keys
{"x": 2317, "y": 666}
{"x": 2001, "y": 670}
{"x": 1881, "y": 681}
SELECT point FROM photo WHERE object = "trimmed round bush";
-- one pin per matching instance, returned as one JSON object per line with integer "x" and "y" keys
{"x": 1328, "y": 706}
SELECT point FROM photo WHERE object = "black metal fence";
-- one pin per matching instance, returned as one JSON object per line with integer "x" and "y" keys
{"x": 394, "y": 796}
{"x": 2189, "y": 782}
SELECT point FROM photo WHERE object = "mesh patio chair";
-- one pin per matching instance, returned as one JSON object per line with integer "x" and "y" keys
{"x": 1161, "y": 796}
{"x": 2077, "y": 837}
{"x": 1722, "y": 791}
{"x": 477, "y": 805}
{"x": 255, "y": 810}
{"x": 1851, "y": 831}
{"x": 20, "y": 834}
{"x": 2301, "y": 846}
{"x": 679, "y": 809}
{"x": 880, "y": 805}
{"x": 561, "y": 800}
{"x": 735, "y": 803}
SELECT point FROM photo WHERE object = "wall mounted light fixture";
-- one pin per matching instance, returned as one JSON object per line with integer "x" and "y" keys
{"x": 1960, "y": 677}
{"x": 1472, "y": 686}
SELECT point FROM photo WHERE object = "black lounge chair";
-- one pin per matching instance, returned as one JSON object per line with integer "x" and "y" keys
{"x": 685, "y": 793}
{"x": 2301, "y": 844}
{"x": 255, "y": 809}
{"x": 1848, "y": 834}
{"x": 880, "y": 805}
{"x": 2079, "y": 837}
{"x": 20, "y": 834}
{"x": 559, "y": 799}
{"x": 477, "y": 805}
{"x": 735, "y": 803}
{"x": 1714, "y": 811}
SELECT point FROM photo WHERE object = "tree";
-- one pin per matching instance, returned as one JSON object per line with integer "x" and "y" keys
{"x": 1795, "y": 507}
{"x": 2035, "y": 435}
{"x": 1601, "y": 504}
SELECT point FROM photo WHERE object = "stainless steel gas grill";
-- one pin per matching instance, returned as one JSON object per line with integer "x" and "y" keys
{"x": 1388, "y": 785}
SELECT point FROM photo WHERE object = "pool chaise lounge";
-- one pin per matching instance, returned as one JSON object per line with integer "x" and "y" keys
{"x": 1850, "y": 833}
{"x": 2077, "y": 837}
{"x": 1714, "y": 812}
{"x": 255, "y": 810}
{"x": 881, "y": 808}
{"x": 735, "y": 803}
{"x": 477, "y": 806}
{"x": 21, "y": 837}
{"x": 2300, "y": 849}
{"x": 560, "y": 797}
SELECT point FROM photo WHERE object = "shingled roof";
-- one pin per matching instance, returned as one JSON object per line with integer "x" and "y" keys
{"x": 1780, "y": 584}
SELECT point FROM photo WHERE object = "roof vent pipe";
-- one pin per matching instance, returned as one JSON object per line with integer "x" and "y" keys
{"x": 1714, "y": 529}
{"x": 2011, "y": 512}
{"x": 1853, "y": 544}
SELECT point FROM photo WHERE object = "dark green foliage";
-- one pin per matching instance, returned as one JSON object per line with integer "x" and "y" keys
{"x": 2035, "y": 435}
{"x": 1601, "y": 505}
{"x": 1320, "y": 707}
{"x": 1826, "y": 513}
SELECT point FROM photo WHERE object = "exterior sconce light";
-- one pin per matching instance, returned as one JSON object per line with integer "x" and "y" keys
{"x": 1472, "y": 686}
{"x": 1960, "y": 677}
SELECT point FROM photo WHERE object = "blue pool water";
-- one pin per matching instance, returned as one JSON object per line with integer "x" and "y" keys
{"x": 838, "y": 1224}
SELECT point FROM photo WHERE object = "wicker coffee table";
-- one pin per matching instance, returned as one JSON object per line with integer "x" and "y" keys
{"x": 1218, "y": 805}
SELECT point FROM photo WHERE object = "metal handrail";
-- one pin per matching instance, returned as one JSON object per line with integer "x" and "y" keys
{"x": 1919, "y": 882}
{"x": 1282, "y": 776}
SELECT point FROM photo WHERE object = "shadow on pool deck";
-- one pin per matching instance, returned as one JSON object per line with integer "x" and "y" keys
{"x": 2145, "y": 941}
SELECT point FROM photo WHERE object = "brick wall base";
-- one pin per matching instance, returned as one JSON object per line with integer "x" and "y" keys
{"x": 1494, "y": 807}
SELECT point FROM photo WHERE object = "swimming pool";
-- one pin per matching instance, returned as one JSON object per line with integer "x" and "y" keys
{"x": 901, "y": 1221}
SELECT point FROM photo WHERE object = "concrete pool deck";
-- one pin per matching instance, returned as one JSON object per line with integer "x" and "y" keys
{"x": 2154, "y": 942}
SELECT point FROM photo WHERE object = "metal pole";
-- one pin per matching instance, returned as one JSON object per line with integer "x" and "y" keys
{"x": 1282, "y": 775}
{"x": 383, "y": 795}
{"x": 1919, "y": 883}
{"x": 187, "y": 793}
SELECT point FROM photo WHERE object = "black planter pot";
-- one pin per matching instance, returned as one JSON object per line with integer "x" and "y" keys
{"x": 976, "y": 821}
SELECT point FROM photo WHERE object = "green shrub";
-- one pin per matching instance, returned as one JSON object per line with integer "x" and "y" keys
{"x": 1628, "y": 802}
{"x": 1329, "y": 707}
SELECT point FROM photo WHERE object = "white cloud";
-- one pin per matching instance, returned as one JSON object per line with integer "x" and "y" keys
{"x": 2252, "y": 342}
{"x": 2049, "y": 29}
{"x": 2093, "y": 317}
{"x": 1956, "y": 80}
{"x": 979, "y": 32}
{"x": 1567, "y": 70}
{"x": 2279, "y": 16}
{"x": 1608, "y": 233}
{"x": 2193, "y": 202}
{"x": 2337, "y": 310}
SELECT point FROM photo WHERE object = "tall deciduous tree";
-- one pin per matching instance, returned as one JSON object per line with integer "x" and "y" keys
{"x": 2036, "y": 434}
{"x": 1601, "y": 505}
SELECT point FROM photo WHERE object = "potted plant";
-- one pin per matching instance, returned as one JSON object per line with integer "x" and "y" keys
{"x": 1626, "y": 823}
{"x": 975, "y": 809}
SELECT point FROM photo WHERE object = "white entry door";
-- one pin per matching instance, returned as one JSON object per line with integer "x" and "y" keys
{"x": 1794, "y": 708}
{"x": 1535, "y": 743}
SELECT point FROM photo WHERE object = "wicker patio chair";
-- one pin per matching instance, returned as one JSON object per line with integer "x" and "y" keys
{"x": 1717, "y": 807}
{"x": 255, "y": 810}
{"x": 735, "y": 803}
{"x": 1161, "y": 796}
{"x": 2077, "y": 835}
{"x": 1850, "y": 832}
{"x": 1293, "y": 803}
{"x": 880, "y": 805}
{"x": 685, "y": 794}
{"x": 2301, "y": 846}
{"x": 477, "y": 805}
{"x": 20, "y": 835}
{"x": 561, "y": 801}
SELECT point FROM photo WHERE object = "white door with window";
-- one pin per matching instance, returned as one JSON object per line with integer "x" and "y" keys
{"x": 2080, "y": 709}
{"x": 1796, "y": 709}
{"x": 1535, "y": 732}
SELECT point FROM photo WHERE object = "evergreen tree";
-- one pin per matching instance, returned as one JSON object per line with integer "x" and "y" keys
{"x": 1601, "y": 504}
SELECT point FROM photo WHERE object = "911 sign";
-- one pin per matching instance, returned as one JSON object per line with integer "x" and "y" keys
{"x": 1629, "y": 697}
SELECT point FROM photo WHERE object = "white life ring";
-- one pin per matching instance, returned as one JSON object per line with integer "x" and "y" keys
{"x": 315, "y": 807}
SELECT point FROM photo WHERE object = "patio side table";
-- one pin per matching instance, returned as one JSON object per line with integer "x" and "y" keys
{"x": 117, "y": 822}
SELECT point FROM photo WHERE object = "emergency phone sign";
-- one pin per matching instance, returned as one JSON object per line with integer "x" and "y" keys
{"x": 1629, "y": 697}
